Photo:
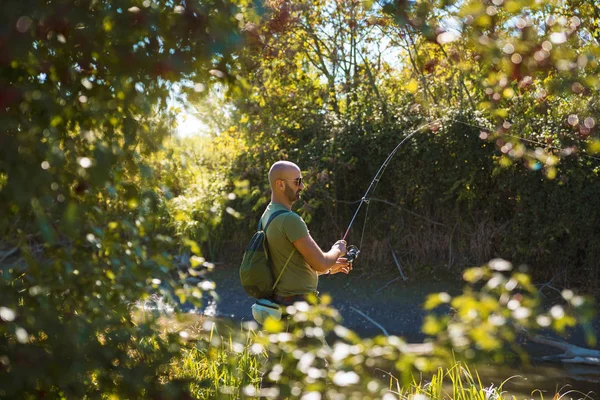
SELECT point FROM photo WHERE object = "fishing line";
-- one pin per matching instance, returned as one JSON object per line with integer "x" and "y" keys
{"x": 353, "y": 251}
{"x": 364, "y": 225}
{"x": 488, "y": 130}
{"x": 380, "y": 172}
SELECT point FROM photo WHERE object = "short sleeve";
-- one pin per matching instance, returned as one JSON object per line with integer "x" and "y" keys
{"x": 294, "y": 227}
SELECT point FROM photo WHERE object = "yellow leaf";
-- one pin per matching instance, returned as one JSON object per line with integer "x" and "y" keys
{"x": 484, "y": 105}
{"x": 508, "y": 93}
{"x": 56, "y": 121}
{"x": 412, "y": 86}
{"x": 107, "y": 24}
{"x": 473, "y": 274}
{"x": 594, "y": 147}
{"x": 512, "y": 6}
{"x": 483, "y": 21}
{"x": 565, "y": 322}
{"x": 273, "y": 326}
{"x": 502, "y": 112}
{"x": 484, "y": 338}
{"x": 434, "y": 300}
{"x": 196, "y": 261}
{"x": 193, "y": 246}
{"x": 505, "y": 161}
{"x": 431, "y": 326}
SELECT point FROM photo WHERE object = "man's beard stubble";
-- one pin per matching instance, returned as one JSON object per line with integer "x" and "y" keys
{"x": 291, "y": 195}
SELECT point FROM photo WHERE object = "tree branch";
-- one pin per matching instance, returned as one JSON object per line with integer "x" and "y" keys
{"x": 573, "y": 354}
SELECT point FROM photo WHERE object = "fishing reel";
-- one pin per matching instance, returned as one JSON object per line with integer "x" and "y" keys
{"x": 352, "y": 253}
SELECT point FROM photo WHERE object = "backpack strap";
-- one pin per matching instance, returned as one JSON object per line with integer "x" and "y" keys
{"x": 283, "y": 269}
{"x": 271, "y": 218}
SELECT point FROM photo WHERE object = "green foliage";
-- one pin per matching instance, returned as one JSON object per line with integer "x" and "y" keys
{"x": 511, "y": 179}
{"x": 495, "y": 307}
{"x": 98, "y": 212}
{"x": 83, "y": 104}
{"x": 463, "y": 385}
{"x": 191, "y": 177}
{"x": 225, "y": 370}
{"x": 449, "y": 198}
{"x": 311, "y": 353}
{"x": 126, "y": 255}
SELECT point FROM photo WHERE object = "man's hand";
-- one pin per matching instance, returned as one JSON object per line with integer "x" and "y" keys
{"x": 341, "y": 265}
{"x": 341, "y": 245}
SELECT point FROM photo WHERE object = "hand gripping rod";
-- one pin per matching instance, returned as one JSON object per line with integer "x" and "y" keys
{"x": 382, "y": 169}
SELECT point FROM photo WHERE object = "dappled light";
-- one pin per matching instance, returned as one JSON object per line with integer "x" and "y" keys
{"x": 446, "y": 142}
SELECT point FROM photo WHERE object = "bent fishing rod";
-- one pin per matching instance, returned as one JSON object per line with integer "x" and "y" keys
{"x": 353, "y": 251}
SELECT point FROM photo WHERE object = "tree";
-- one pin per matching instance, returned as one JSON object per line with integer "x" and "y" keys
{"x": 83, "y": 98}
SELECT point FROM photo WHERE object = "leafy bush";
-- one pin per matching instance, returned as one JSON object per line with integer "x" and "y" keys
{"x": 311, "y": 353}
{"x": 448, "y": 198}
{"x": 83, "y": 100}
{"x": 90, "y": 219}
{"x": 324, "y": 96}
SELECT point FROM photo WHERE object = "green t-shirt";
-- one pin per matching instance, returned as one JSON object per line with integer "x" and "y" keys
{"x": 298, "y": 277}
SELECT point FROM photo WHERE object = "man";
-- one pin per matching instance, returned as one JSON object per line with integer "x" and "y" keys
{"x": 292, "y": 249}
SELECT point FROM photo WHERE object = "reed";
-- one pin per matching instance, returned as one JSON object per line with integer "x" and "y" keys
{"x": 224, "y": 369}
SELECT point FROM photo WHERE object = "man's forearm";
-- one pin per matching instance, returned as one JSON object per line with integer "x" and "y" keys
{"x": 332, "y": 255}
{"x": 319, "y": 260}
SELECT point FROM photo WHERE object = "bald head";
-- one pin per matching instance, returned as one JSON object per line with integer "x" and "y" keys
{"x": 285, "y": 170}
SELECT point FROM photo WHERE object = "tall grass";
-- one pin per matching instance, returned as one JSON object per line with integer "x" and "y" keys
{"x": 458, "y": 383}
{"x": 224, "y": 369}
{"x": 218, "y": 368}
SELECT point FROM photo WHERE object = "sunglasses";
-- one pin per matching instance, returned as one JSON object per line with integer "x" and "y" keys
{"x": 297, "y": 180}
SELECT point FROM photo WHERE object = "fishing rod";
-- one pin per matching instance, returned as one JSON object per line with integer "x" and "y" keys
{"x": 353, "y": 251}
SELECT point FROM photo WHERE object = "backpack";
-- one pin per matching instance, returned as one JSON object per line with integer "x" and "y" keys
{"x": 256, "y": 271}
